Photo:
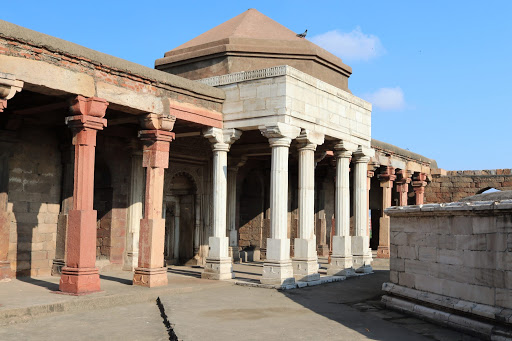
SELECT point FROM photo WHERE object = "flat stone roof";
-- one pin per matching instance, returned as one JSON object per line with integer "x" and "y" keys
{"x": 22, "y": 34}
{"x": 379, "y": 145}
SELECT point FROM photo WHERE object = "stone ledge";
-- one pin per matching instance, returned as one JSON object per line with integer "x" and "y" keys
{"x": 450, "y": 208}
{"x": 501, "y": 315}
{"x": 482, "y": 329}
{"x": 298, "y": 284}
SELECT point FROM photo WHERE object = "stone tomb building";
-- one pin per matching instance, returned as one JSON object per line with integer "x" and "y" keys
{"x": 106, "y": 164}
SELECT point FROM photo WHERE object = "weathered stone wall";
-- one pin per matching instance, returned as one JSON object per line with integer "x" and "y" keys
{"x": 456, "y": 255}
{"x": 34, "y": 200}
{"x": 449, "y": 186}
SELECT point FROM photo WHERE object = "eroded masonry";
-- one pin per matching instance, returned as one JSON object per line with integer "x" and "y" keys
{"x": 240, "y": 141}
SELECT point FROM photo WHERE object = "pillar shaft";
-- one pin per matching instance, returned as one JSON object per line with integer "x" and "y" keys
{"x": 341, "y": 259}
{"x": 136, "y": 200}
{"x": 233, "y": 165}
{"x": 218, "y": 263}
{"x": 80, "y": 275}
{"x": 419, "y": 182}
{"x": 277, "y": 268}
{"x": 361, "y": 252}
{"x": 305, "y": 261}
{"x": 151, "y": 271}
{"x": 386, "y": 183}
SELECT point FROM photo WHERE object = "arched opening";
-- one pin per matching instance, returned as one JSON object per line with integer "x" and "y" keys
{"x": 488, "y": 190}
{"x": 180, "y": 213}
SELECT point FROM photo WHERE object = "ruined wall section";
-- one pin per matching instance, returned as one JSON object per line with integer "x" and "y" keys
{"x": 34, "y": 201}
{"x": 449, "y": 186}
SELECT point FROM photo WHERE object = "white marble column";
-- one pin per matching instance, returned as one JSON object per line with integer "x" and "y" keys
{"x": 305, "y": 260}
{"x": 277, "y": 268}
{"x": 218, "y": 263}
{"x": 362, "y": 254}
{"x": 341, "y": 259}
{"x": 131, "y": 257}
{"x": 233, "y": 165}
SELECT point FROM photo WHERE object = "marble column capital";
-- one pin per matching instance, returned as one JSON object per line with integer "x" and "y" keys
{"x": 221, "y": 139}
{"x": 280, "y": 131}
{"x": 9, "y": 86}
{"x": 309, "y": 140}
{"x": 363, "y": 154}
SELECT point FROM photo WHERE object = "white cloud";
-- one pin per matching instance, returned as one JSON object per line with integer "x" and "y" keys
{"x": 387, "y": 99}
{"x": 352, "y": 46}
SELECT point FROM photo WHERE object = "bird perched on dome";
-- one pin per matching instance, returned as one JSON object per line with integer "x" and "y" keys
{"x": 302, "y": 35}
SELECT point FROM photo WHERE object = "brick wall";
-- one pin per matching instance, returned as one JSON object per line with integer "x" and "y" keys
{"x": 455, "y": 185}
{"x": 34, "y": 201}
{"x": 461, "y": 251}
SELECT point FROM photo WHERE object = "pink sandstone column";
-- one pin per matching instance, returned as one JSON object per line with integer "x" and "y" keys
{"x": 386, "y": 178}
{"x": 80, "y": 276}
{"x": 402, "y": 186}
{"x": 419, "y": 182}
{"x": 151, "y": 271}
{"x": 9, "y": 86}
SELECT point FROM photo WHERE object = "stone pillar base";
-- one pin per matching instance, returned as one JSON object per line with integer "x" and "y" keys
{"x": 305, "y": 270}
{"x": 362, "y": 255}
{"x": 79, "y": 281}
{"x": 234, "y": 253}
{"x": 130, "y": 261}
{"x": 278, "y": 272}
{"x": 57, "y": 266}
{"x": 323, "y": 250}
{"x": 5, "y": 271}
{"x": 340, "y": 266}
{"x": 218, "y": 269}
{"x": 383, "y": 252}
{"x": 146, "y": 277}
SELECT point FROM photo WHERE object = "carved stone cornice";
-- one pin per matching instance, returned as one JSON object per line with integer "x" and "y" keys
{"x": 9, "y": 86}
{"x": 279, "y": 134}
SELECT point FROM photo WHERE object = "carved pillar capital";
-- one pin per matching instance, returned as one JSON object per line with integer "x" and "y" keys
{"x": 363, "y": 154}
{"x": 386, "y": 176}
{"x": 156, "y": 148}
{"x": 280, "y": 134}
{"x": 9, "y": 86}
{"x": 221, "y": 139}
{"x": 309, "y": 140}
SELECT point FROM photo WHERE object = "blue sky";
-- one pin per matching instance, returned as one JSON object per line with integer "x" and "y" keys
{"x": 437, "y": 72}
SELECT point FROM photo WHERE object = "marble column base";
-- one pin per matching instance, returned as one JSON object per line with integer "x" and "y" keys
{"x": 278, "y": 272}
{"x": 131, "y": 260}
{"x": 305, "y": 270}
{"x": 340, "y": 266}
{"x": 362, "y": 255}
{"x": 383, "y": 252}
{"x": 150, "y": 277}
{"x": 5, "y": 271}
{"x": 79, "y": 281}
{"x": 218, "y": 269}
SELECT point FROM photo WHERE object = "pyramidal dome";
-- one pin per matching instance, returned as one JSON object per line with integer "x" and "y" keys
{"x": 252, "y": 41}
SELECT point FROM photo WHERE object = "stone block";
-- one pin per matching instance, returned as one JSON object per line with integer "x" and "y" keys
{"x": 496, "y": 242}
{"x": 398, "y": 238}
{"x": 360, "y": 245}
{"x": 479, "y": 259}
{"x": 393, "y": 276}
{"x": 447, "y": 242}
{"x": 406, "y": 279}
{"x": 427, "y": 254}
{"x": 233, "y": 107}
{"x": 471, "y": 242}
{"x": 278, "y": 249}
{"x": 342, "y": 246}
{"x": 254, "y": 104}
{"x": 218, "y": 247}
{"x": 248, "y": 91}
{"x": 416, "y": 267}
{"x": 450, "y": 257}
{"x": 397, "y": 264}
{"x": 484, "y": 224}
{"x": 305, "y": 248}
{"x": 428, "y": 283}
{"x": 407, "y": 252}
{"x": 504, "y": 223}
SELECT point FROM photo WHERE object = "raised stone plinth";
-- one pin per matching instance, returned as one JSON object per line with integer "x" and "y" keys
{"x": 278, "y": 272}
{"x": 150, "y": 277}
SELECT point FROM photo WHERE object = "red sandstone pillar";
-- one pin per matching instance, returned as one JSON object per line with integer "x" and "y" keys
{"x": 419, "y": 182}
{"x": 9, "y": 86}
{"x": 80, "y": 276}
{"x": 402, "y": 186}
{"x": 151, "y": 271}
{"x": 386, "y": 178}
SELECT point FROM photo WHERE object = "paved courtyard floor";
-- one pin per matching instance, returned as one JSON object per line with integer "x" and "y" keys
{"x": 209, "y": 310}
